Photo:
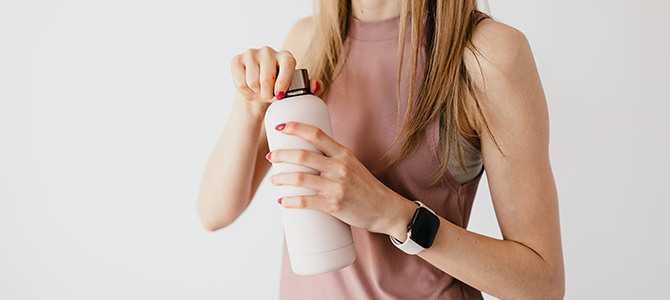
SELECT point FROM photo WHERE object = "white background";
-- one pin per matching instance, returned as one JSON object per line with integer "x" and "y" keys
{"x": 110, "y": 110}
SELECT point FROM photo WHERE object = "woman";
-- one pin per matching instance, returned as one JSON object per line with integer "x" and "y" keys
{"x": 462, "y": 94}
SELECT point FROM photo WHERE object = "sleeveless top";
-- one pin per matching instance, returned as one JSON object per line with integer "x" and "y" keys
{"x": 366, "y": 118}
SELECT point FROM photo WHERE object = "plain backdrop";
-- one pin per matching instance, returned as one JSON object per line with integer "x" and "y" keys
{"x": 111, "y": 109}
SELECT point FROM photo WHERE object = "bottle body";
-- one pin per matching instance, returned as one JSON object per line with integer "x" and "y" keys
{"x": 317, "y": 242}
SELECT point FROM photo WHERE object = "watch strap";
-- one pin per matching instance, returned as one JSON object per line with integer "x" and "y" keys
{"x": 410, "y": 246}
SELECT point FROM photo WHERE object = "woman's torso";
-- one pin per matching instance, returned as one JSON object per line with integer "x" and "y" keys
{"x": 366, "y": 118}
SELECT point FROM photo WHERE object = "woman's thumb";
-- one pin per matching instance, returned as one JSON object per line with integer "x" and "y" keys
{"x": 316, "y": 86}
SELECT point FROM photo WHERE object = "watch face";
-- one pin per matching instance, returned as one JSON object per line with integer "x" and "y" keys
{"x": 424, "y": 227}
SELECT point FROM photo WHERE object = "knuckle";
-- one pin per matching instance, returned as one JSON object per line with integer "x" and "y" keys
{"x": 339, "y": 191}
{"x": 254, "y": 85}
{"x": 303, "y": 156}
{"x": 336, "y": 205}
{"x": 301, "y": 202}
{"x": 267, "y": 79}
{"x": 265, "y": 50}
{"x": 286, "y": 57}
{"x": 237, "y": 60}
{"x": 249, "y": 54}
{"x": 300, "y": 179}
{"x": 343, "y": 170}
{"x": 315, "y": 134}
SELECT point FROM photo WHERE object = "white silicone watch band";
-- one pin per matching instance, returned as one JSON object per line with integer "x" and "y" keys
{"x": 409, "y": 246}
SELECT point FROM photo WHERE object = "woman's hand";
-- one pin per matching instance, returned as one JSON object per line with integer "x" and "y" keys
{"x": 347, "y": 190}
{"x": 262, "y": 74}
{"x": 256, "y": 77}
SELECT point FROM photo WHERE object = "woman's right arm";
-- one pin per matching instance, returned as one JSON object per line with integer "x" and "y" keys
{"x": 237, "y": 165}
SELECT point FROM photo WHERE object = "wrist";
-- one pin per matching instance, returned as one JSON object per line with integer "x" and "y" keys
{"x": 421, "y": 231}
{"x": 401, "y": 219}
{"x": 252, "y": 108}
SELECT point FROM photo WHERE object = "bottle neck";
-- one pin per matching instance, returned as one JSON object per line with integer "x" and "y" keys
{"x": 299, "y": 84}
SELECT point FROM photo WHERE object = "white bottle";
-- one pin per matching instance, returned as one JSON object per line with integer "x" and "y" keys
{"x": 317, "y": 242}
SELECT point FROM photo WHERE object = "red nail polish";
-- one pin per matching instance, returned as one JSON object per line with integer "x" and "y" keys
{"x": 317, "y": 87}
{"x": 280, "y": 95}
{"x": 268, "y": 155}
{"x": 279, "y": 200}
{"x": 280, "y": 127}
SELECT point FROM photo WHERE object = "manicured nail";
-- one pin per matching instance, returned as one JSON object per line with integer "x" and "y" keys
{"x": 268, "y": 156}
{"x": 317, "y": 87}
{"x": 280, "y": 127}
{"x": 280, "y": 95}
{"x": 279, "y": 200}
{"x": 272, "y": 177}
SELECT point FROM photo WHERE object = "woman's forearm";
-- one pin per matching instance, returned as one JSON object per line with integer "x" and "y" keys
{"x": 235, "y": 168}
{"x": 503, "y": 268}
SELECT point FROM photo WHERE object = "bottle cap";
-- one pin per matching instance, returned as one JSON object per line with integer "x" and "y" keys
{"x": 299, "y": 83}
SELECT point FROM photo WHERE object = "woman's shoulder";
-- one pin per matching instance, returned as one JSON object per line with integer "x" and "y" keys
{"x": 496, "y": 45}
{"x": 299, "y": 38}
{"x": 501, "y": 67}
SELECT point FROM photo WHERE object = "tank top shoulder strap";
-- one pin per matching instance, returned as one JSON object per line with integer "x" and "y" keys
{"x": 480, "y": 16}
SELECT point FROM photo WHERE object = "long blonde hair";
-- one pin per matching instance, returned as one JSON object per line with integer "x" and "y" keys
{"x": 446, "y": 82}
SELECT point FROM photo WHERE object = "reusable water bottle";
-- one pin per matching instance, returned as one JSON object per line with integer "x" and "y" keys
{"x": 317, "y": 242}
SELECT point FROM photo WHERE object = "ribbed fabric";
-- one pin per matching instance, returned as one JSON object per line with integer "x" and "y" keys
{"x": 472, "y": 160}
{"x": 366, "y": 118}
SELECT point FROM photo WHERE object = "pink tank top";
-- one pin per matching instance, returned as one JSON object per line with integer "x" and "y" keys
{"x": 364, "y": 113}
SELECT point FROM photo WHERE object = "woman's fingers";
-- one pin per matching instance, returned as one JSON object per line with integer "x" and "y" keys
{"x": 262, "y": 74}
{"x": 307, "y": 180}
{"x": 303, "y": 202}
{"x": 238, "y": 70}
{"x": 314, "y": 135}
{"x": 318, "y": 202}
{"x": 267, "y": 59}
{"x": 316, "y": 86}
{"x": 286, "y": 63}
{"x": 252, "y": 71}
{"x": 299, "y": 157}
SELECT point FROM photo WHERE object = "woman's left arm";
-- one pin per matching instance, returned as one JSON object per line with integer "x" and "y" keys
{"x": 528, "y": 262}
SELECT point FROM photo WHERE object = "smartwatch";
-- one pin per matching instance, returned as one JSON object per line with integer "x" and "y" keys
{"x": 420, "y": 232}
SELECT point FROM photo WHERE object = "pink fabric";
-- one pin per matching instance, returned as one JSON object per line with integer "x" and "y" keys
{"x": 365, "y": 116}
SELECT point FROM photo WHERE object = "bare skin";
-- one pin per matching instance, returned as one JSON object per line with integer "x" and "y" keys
{"x": 237, "y": 165}
{"x": 526, "y": 264}
{"x": 371, "y": 10}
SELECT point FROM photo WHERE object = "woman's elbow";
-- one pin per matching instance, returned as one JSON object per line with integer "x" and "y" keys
{"x": 554, "y": 286}
{"x": 210, "y": 220}
{"x": 557, "y": 291}
{"x": 547, "y": 284}
{"x": 548, "y": 291}
{"x": 211, "y": 226}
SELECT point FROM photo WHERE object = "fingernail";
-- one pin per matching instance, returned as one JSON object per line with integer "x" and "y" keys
{"x": 317, "y": 87}
{"x": 268, "y": 155}
{"x": 280, "y": 95}
{"x": 280, "y": 127}
{"x": 272, "y": 177}
{"x": 279, "y": 200}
